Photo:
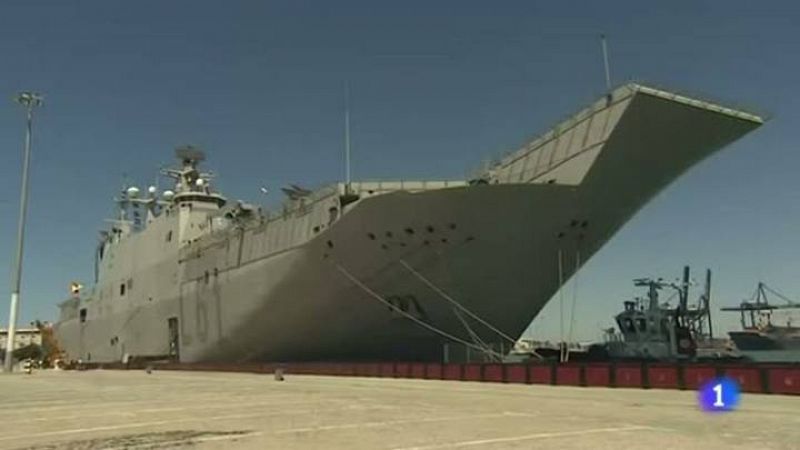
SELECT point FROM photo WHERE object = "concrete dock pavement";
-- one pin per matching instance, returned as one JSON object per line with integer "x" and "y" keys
{"x": 206, "y": 410}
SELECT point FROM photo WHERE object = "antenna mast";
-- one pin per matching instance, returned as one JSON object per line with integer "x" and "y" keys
{"x": 605, "y": 61}
{"x": 347, "y": 137}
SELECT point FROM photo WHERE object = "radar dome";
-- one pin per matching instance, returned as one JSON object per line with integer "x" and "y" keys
{"x": 132, "y": 192}
{"x": 199, "y": 182}
{"x": 168, "y": 195}
{"x": 151, "y": 190}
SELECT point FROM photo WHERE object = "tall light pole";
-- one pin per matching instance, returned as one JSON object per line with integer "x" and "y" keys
{"x": 29, "y": 100}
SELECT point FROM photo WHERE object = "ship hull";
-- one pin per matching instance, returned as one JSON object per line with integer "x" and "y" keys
{"x": 780, "y": 345}
{"x": 489, "y": 249}
{"x": 754, "y": 340}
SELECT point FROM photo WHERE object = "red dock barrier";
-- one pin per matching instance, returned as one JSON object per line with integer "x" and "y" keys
{"x": 662, "y": 376}
{"x": 493, "y": 372}
{"x": 387, "y": 370}
{"x": 433, "y": 371}
{"x": 402, "y": 370}
{"x": 752, "y": 377}
{"x": 516, "y": 373}
{"x": 361, "y": 369}
{"x": 452, "y": 371}
{"x": 696, "y": 376}
{"x": 568, "y": 375}
{"x": 628, "y": 376}
{"x": 783, "y": 380}
{"x": 347, "y": 369}
{"x": 418, "y": 370}
{"x": 749, "y": 378}
{"x": 541, "y": 374}
{"x": 597, "y": 375}
{"x": 472, "y": 372}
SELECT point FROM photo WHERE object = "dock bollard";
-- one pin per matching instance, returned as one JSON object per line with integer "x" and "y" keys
{"x": 279, "y": 374}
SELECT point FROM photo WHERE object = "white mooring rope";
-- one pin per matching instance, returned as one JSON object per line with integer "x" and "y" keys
{"x": 423, "y": 324}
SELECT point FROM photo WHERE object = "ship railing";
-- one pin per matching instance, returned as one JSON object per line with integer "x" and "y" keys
{"x": 371, "y": 187}
{"x": 566, "y": 122}
{"x": 363, "y": 188}
{"x": 703, "y": 101}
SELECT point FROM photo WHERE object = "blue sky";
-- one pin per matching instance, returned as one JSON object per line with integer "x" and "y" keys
{"x": 436, "y": 87}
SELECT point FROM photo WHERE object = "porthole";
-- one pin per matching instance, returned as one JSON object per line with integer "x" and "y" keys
{"x": 389, "y": 234}
{"x": 429, "y": 228}
{"x": 452, "y": 226}
{"x": 409, "y": 231}
{"x": 330, "y": 244}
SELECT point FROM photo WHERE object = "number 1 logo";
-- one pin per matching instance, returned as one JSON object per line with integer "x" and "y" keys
{"x": 721, "y": 394}
{"x": 718, "y": 403}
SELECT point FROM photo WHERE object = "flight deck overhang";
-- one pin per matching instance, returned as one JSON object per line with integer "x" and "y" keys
{"x": 566, "y": 153}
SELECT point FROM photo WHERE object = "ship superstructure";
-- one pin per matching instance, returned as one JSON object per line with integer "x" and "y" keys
{"x": 384, "y": 270}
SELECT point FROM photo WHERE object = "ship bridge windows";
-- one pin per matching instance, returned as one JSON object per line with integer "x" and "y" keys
{"x": 627, "y": 325}
{"x": 642, "y": 324}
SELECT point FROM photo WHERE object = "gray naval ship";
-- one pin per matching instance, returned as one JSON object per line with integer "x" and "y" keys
{"x": 383, "y": 270}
